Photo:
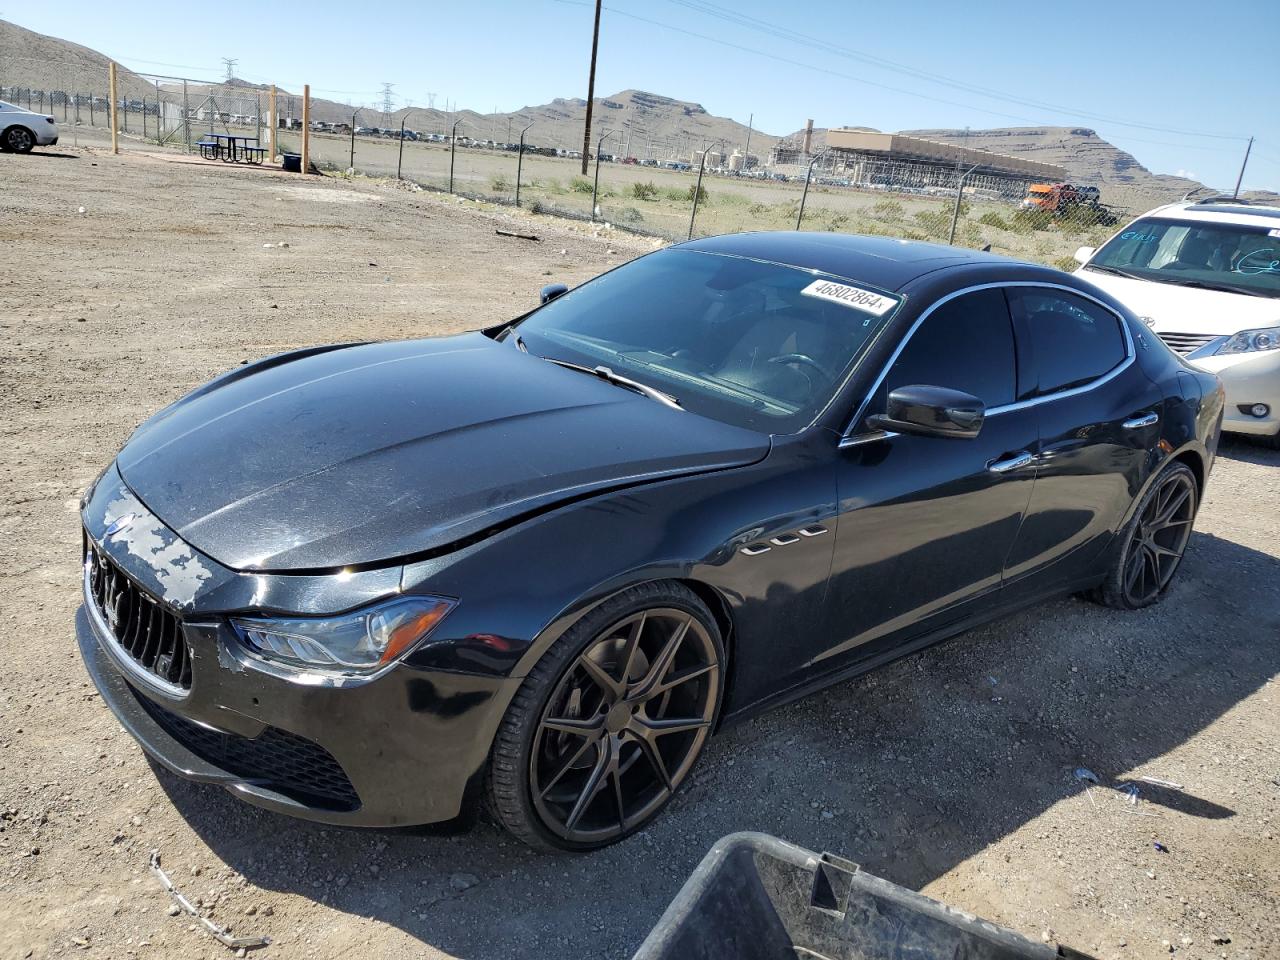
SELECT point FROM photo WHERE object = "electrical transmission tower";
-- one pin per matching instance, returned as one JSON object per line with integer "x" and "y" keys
{"x": 231, "y": 67}
{"x": 387, "y": 102}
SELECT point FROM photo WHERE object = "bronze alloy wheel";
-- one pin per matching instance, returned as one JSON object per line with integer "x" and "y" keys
{"x": 1159, "y": 538}
{"x": 624, "y": 726}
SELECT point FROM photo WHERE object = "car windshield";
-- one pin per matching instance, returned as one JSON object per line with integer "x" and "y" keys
{"x": 755, "y": 344}
{"x": 1217, "y": 256}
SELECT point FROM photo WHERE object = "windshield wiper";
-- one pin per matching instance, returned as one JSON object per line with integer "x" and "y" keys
{"x": 604, "y": 373}
{"x": 1114, "y": 270}
{"x": 1222, "y": 287}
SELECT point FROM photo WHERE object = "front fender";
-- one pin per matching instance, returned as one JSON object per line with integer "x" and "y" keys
{"x": 520, "y": 590}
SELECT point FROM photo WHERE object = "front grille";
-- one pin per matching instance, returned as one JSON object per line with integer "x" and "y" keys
{"x": 146, "y": 630}
{"x": 1185, "y": 343}
{"x": 283, "y": 761}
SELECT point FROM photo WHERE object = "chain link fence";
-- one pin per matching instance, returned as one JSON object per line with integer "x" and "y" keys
{"x": 670, "y": 191}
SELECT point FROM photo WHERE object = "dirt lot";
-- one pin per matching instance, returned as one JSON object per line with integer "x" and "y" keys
{"x": 949, "y": 772}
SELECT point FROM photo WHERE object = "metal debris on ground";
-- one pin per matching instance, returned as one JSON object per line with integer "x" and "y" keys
{"x": 518, "y": 236}
{"x": 1088, "y": 776}
{"x": 1157, "y": 782}
{"x": 1160, "y": 847}
{"x": 221, "y": 934}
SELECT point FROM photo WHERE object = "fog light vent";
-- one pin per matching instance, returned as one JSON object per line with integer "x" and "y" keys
{"x": 1258, "y": 410}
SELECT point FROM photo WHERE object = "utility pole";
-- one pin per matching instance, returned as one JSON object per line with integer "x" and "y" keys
{"x": 1247, "y": 150}
{"x": 746, "y": 151}
{"x": 591, "y": 90}
{"x": 231, "y": 67}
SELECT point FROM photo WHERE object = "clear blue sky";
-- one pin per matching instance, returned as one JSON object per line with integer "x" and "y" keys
{"x": 1147, "y": 76}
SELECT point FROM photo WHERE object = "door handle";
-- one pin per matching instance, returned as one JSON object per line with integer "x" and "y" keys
{"x": 1013, "y": 463}
{"x": 1133, "y": 423}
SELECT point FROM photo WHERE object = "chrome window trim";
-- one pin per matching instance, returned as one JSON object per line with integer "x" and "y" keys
{"x": 850, "y": 439}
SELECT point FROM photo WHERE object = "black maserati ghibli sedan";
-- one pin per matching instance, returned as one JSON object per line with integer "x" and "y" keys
{"x": 539, "y": 564}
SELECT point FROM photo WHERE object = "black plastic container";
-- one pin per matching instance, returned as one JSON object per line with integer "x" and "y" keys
{"x": 292, "y": 163}
{"x": 755, "y": 897}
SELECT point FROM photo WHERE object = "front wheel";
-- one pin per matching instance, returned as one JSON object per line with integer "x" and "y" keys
{"x": 610, "y": 721}
{"x": 1152, "y": 542}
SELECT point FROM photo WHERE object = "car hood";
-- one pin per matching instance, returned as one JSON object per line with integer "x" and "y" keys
{"x": 1174, "y": 309}
{"x": 365, "y": 454}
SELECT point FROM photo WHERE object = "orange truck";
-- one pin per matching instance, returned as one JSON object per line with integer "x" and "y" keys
{"x": 1060, "y": 197}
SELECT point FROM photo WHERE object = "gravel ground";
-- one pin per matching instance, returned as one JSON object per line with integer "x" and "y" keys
{"x": 949, "y": 772}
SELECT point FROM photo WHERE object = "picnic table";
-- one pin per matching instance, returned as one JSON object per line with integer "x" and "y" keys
{"x": 231, "y": 148}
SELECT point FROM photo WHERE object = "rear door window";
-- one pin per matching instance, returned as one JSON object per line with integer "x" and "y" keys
{"x": 1068, "y": 341}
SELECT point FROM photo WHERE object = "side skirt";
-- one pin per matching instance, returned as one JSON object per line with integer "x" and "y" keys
{"x": 914, "y": 645}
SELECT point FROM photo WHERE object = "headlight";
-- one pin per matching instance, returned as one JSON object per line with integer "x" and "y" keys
{"x": 360, "y": 642}
{"x": 1250, "y": 341}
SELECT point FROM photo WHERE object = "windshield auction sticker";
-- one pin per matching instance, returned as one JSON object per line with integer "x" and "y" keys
{"x": 868, "y": 301}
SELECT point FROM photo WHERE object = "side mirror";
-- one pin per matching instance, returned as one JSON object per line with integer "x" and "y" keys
{"x": 1083, "y": 254}
{"x": 931, "y": 412}
{"x": 551, "y": 291}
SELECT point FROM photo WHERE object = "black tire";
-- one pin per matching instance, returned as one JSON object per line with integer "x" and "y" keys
{"x": 655, "y": 657}
{"x": 1150, "y": 546}
{"x": 19, "y": 140}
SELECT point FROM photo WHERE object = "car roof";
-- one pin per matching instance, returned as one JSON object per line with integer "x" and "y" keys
{"x": 1221, "y": 211}
{"x": 885, "y": 261}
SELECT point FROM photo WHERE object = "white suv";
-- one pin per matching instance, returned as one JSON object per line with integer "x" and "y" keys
{"x": 21, "y": 130}
{"x": 1205, "y": 276}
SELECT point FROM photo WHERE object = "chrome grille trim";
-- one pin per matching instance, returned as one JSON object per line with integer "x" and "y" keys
{"x": 148, "y": 637}
{"x": 1185, "y": 343}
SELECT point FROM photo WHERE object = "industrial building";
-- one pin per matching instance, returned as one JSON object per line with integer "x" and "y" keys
{"x": 897, "y": 161}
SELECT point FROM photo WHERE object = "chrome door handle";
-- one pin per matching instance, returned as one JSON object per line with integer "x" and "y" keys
{"x": 1013, "y": 463}
{"x": 1133, "y": 423}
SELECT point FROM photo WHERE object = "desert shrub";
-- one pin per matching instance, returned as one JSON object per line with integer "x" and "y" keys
{"x": 703, "y": 195}
{"x": 888, "y": 210}
{"x": 672, "y": 193}
{"x": 630, "y": 215}
{"x": 934, "y": 222}
{"x": 760, "y": 209}
{"x": 993, "y": 219}
{"x": 837, "y": 222}
{"x": 1027, "y": 219}
{"x": 1066, "y": 264}
{"x": 500, "y": 184}
{"x": 535, "y": 206}
{"x": 580, "y": 185}
{"x": 644, "y": 191}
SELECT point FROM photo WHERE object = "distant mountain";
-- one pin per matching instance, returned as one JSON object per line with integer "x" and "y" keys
{"x": 641, "y": 123}
{"x": 30, "y": 59}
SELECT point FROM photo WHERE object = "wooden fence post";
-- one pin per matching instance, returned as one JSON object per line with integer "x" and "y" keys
{"x": 271, "y": 134}
{"x": 306, "y": 128}
{"x": 115, "y": 120}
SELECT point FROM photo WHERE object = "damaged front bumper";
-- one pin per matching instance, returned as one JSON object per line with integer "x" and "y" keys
{"x": 395, "y": 749}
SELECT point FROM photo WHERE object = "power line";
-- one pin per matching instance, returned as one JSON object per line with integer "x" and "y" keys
{"x": 231, "y": 67}
{"x": 862, "y": 80}
{"x": 773, "y": 29}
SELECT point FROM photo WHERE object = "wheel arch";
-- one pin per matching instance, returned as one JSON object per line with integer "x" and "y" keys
{"x": 710, "y": 595}
{"x": 17, "y": 126}
{"x": 1189, "y": 454}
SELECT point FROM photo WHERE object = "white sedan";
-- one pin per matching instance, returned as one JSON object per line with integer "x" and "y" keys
{"x": 21, "y": 130}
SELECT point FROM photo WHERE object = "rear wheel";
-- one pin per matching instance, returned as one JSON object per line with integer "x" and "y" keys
{"x": 19, "y": 140}
{"x": 1153, "y": 542}
{"x": 609, "y": 723}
